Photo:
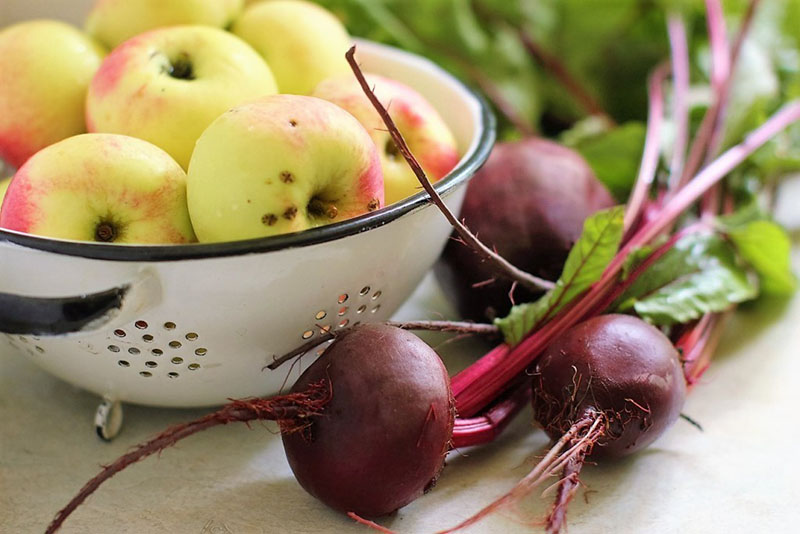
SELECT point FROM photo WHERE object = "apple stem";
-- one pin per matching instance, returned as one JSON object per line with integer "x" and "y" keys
{"x": 458, "y": 327}
{"x": 531, "y": 282}
{"x": 105, "y": 232}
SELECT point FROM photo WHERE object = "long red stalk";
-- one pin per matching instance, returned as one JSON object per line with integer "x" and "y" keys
{"x": 487, "y": 377}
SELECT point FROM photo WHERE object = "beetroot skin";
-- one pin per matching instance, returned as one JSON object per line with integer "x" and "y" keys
{"x": 382, "y": 439}
{"x": 529, "y": 202}
{"x": 615, "y": 365}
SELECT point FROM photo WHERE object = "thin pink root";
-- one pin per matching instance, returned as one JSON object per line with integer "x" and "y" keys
{"x": 371, "y": 524}
{"x": 579, "y": 439}
{"x": 290, "y": 411}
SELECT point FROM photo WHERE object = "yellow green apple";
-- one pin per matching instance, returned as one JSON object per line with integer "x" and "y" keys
{"x": 167, "y": 85}
{"x": 100, "y": 187}
{"x": 426, "y": 133}
{"x": 3, "y": 188}
{"x": 281, "y": 164}
{"x": 45, "y": 70}
{"x": 113, "y": 21}
{"x": 302, "y": 42}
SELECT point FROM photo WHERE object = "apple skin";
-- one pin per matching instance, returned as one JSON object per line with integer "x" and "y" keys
{"x": 45, "y": 68}
{"x": 89, "y": 184}
{"x": 422, "y": 127}
{"x": 281, "y": 164}
{"x": 4, "y": 183}
{"x": 139, "y": 91}
{"x": 302, "y": 42}
{"x": 113, "y": 21}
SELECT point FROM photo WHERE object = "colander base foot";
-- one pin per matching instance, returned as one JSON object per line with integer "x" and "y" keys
{"x": 108, "y": 419}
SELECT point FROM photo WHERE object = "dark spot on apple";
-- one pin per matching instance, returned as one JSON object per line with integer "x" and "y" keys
{"x": 293, "y": 123}
{"x": 391, "y": 150}
{"x": 269, "y": 219}
{"x": 373, "y": 204}
{"x": 290, "y": 213}
{"x": 287, "y": 177}
{"x": 181, "y": 67}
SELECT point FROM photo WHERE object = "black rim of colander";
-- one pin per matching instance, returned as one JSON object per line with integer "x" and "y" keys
{"x": 468, "y": 165}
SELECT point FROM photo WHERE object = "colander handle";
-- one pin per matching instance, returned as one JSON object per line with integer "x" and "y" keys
{"x": 51, "y": 316}
{"x": 39, "y": 316}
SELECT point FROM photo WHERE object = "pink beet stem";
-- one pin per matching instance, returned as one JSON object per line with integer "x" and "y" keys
{"x": 650, "y": 157}
{"x": 679, "y": 48}
{"x": 486, "y": 427}
{"x": 489, "y": 376}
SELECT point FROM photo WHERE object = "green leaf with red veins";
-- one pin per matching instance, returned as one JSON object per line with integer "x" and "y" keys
{"x": 588, "y": 258}
{"x": 701, "y": 274}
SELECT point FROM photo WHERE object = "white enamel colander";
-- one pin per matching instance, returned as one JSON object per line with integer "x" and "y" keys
{"x": 194, "y": 325}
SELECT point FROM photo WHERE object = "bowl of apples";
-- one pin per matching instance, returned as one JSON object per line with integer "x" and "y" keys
{"x": 189, "y": 202}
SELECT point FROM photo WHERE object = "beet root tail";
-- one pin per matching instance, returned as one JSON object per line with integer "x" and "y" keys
{"x": 289, "y": 411}
{"x": 578, "y": 441}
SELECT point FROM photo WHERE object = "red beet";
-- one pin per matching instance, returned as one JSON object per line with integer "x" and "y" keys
{"x": 366, "y": 427}
{"x": 614, "y": 365}
{"x": 386, "y": 430}
{"x": 608, "y": 386}
{"x": 529, "y": 202}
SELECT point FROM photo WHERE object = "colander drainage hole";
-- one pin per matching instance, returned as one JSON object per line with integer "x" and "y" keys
{"x": 113, "y": 348}
{"x": 146, "y": 374}
{"x": 321, "y": 314}
{"x": 362, "y": 308}
{"x": 119, "y": 333}
{"x": 307, "y": 334}
{"x": 194, "y": 366}
{"x": 157, "y": 352}
{"x": 169, "y": 325}
{"x": 343, "y": 323}
{"x": 175, "y": 344}
{"x": 342, "y": 311}
{"x": 343, "y": 298}
{"x": 124, "y": 363}
{"x": 151, "y": 364}
{"x": 376, "y": 308}
{"x": 134, "y": 351}
{"x": 377, "y": 295}
{"x": 202, "y": 351}
{"x": 147, "y": 338}
{"x": 177, "y": 360}
{"x": 191, "y": 336}
{"x": 173, "y": 374}
{"x": 141, "y": 325}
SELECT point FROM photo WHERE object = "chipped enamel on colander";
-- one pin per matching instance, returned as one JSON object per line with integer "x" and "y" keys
{"x": 194, "y": 325}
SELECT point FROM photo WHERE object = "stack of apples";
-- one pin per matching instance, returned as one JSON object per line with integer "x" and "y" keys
{"x": 175, "y": 121}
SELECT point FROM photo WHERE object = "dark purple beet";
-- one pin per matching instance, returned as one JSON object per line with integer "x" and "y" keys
{"x": 528, "y": 202}
{"x": 383, "y": 437}
{"x": 616, "y": 365}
